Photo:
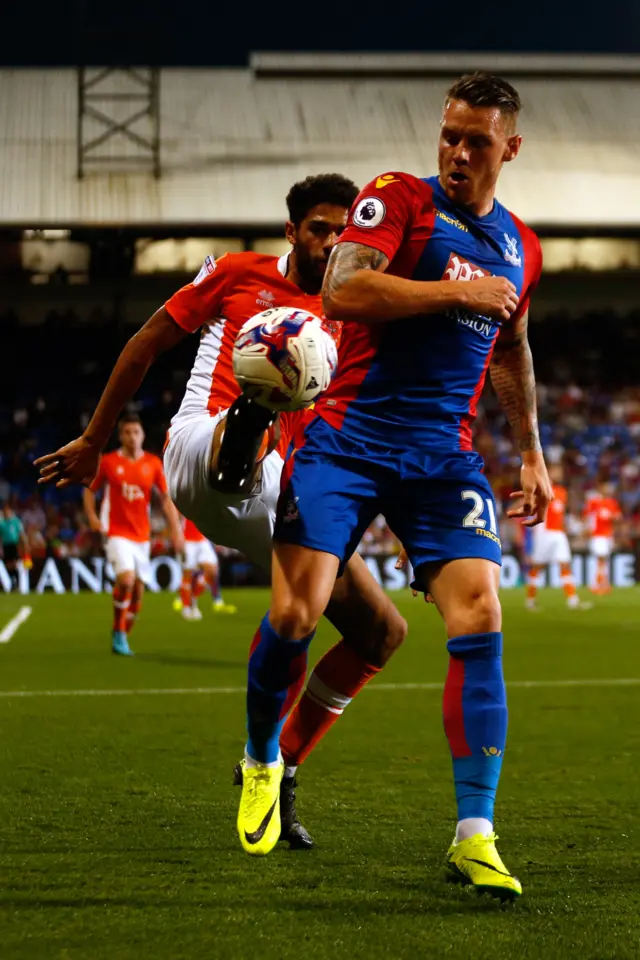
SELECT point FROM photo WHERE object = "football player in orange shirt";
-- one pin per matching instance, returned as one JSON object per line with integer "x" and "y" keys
{"x": 603, "y": 517}
{"x": 200, "y": 569}
{"x": 226, "y": 293}
{"x": 127, "y": 477}
{"x": 550, "y": 544}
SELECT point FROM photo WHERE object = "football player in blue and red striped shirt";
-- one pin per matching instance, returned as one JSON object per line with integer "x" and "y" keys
{"x": 432, "y": 279}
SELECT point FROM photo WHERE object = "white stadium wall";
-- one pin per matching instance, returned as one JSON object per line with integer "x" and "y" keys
{"x": 233, "y": 141}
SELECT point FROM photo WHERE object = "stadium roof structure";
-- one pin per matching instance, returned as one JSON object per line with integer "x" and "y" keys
{"x": 232, "y": 141}
{"x": 449, "y": 64}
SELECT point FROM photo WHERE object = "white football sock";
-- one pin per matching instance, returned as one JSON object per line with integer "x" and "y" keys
{"x": 472, "y": 825}
{"x": 250, "y": 762}
{"x": 290, "y": 772}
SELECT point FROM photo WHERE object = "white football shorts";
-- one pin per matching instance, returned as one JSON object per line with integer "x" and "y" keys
{"x": 129, "y": 555}
{"x": 600, "y": 547}
{"x": 199, "y": 552}
{"x": 230, "y": 520}
{"x": 549, "y": 546}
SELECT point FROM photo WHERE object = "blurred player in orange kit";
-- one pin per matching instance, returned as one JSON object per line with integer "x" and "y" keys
{"x": 200, "y": 569}
{"x": 550, "y": 544}
{"x": 127, "y": 477}
{"x": 603, "y": 515}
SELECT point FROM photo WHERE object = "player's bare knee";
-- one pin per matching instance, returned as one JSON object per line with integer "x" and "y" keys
{"x": 478, "y": 611}
{"x": 488, "y": 613}
{"x": 391, "y": 636}
{"x": 376, "y": 639}
{"x": 293, "y": 620}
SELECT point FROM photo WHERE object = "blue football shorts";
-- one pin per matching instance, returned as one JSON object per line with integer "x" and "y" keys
{"x": 439, "y": 505}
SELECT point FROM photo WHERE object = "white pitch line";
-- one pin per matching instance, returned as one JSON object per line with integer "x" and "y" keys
{"x": 173, "y": 691}
{"x": 15, "y": 623}
{"x": 525, "y": 684}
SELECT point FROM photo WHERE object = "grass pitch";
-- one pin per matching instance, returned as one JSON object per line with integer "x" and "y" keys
{"x": 117, "y": 814}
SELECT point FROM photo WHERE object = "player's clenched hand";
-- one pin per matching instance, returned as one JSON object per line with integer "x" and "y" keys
{"x": 536, "y": 493}
{"x": 493, "y": 297}
{"x": 77, "y": 462}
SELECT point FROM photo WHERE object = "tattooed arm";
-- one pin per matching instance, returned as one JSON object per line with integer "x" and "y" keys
{"x": 514, "y": 382}
{"x": 356, "y": 287}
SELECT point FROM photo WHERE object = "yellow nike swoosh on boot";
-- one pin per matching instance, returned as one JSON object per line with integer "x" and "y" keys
{"x": 476, "y": 861}
{"x": 259, "y": 813}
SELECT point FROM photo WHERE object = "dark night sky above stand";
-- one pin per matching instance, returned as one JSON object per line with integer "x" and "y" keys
{"x": 74, "y": 32}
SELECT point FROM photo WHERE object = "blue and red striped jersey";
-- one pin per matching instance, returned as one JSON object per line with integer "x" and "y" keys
{"x": 416, "y": 382}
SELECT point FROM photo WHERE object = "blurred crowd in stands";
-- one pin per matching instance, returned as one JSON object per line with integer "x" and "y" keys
{"x": 589, "y": 411}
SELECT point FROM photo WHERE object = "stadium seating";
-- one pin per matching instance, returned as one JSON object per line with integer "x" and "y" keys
{"x": 589, "y": 411}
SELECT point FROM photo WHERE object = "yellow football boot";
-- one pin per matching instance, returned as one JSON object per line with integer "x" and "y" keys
{"x": 219, "y": 606}
{"x": 259, "y": 813}
{"x": 476, "y": 861}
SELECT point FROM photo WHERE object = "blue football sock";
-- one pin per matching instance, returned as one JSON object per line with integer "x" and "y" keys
{"x": 475, "y": 720}
{"x": 275, "y": 666}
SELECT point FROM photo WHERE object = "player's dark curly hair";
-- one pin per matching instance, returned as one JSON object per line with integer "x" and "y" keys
{"x": 482, "y": 89}
{"x": 128, "y": 417}
{"x": 324, "y": 188}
